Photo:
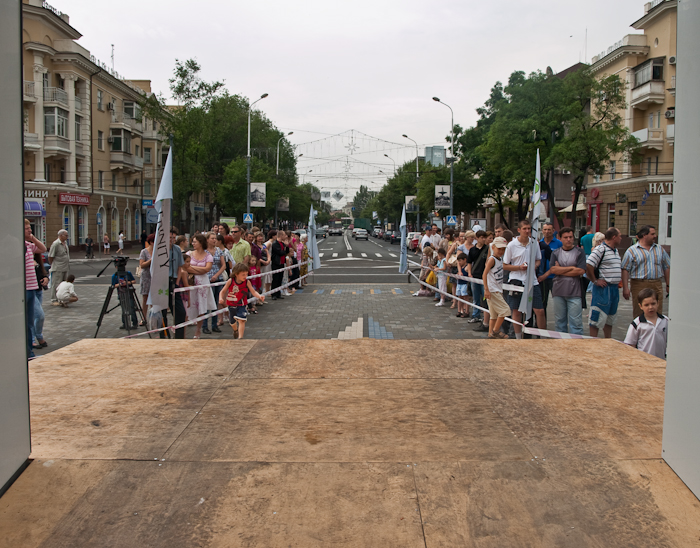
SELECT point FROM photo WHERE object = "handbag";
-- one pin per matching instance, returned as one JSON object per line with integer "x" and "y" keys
{"x": 139, "y": 270}
{"x": 431, "y": 279}
{"x": 452, "y": 261}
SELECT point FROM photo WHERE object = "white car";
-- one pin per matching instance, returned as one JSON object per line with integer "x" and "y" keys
{"x": 361, "y": 234}
{"x": 354, "y": 231}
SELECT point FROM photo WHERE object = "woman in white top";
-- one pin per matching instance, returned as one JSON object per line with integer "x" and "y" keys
{"x": 121, "y": 243}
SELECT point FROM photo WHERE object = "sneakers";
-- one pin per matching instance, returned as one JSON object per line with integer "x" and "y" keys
{"x": 474, "y": 320}
{"x": 481, "y": 327}
{"x": 206, "y": 331}
{"x": 441, "y": 303}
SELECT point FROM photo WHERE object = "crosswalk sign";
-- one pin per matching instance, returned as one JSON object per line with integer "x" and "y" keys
{"x": 248, "y": 218}
{"x": 451, "y": 220}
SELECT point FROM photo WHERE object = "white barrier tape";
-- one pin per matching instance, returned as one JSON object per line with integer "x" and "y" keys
{"x": 528, "y": 330}
{"x": 193, "y": 287}
{"x": 506, "y": 287}
{"x": 216, "y": 312}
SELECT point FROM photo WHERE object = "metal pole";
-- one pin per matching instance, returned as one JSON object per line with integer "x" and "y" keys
{"x": 452, "y": 152}
{"x": 417, "y": 204}
{"x": 278, "y": 149}
{"x": 250, "y": 109}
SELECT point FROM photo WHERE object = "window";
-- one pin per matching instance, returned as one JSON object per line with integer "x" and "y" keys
{"x": 78, "y": 121}
{"x": 99, "y": 100}
{"x": 658, "y": 119}
{"x": 45, "y": 80}
{"x": 651, "y": 120}
{"x": 47, "y": 172}
{"x": 55, "y": 121}
{"x": 147, "y": 187}
{"x": 126, "y": 183}
{"x": 115, "y": 225}
{"x": 100, "y": 179}
{"x": 82, "y": 224}
{"x": 611, "y": 215}
{"x": 651, "y": 70}
{"x": 129, "y": 108}
{"x": 656, "y": 170}
{"x": 147, "y": 155}
{"x": 68, "y": 223}
{"x": 633, "y": 219}
{"x": 100, "y": 140}
{"x": 114, "y": 181}
{"x": 155, "y": 125}
{"x": 137, "y": 150}
{"x": 127, "y": 224}
{"x": 649, "y": 166}
{"x": 613, "y": 167}
{"x": 121, "y": 140}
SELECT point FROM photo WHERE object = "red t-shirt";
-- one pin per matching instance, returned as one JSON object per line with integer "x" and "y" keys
{"x": 239, "y": 298}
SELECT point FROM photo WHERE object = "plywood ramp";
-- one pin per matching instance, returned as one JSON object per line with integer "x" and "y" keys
{"x": 347, "y": 443}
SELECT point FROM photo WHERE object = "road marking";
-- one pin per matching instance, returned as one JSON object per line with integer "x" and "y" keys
{"x": 392, "y": 255}
{"x": 363, "y": 254}
{"x": 335, "y": 254}
{"x": 336, "y": 292}
{"x": 349, "y": 254}
{"x": 378, "y": 254}
{"x": 347, "y": 244}
{"x": 321, "y": 254}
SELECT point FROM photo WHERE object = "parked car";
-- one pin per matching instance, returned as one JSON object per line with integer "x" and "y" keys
{"x": 395, "y": 237}
{"x": 300, "y": 231}
{"x": 321, "y": 233}
{"x": 380, "y": 234}
{"x": 413, "y": 239}
{"x": 361, "y": 234}
{"x": 376, "y": 232}
{"x": 387, "y": 235}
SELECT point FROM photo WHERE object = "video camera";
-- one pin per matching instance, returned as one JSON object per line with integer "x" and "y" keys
{"x": 120, "y": 262}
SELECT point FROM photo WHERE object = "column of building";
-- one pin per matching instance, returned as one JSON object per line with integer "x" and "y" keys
{"x": 72, "y": 176}
{"x": 39, "y": 71}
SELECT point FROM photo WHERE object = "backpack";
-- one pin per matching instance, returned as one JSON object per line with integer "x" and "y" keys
{"x": 596, "y": 270}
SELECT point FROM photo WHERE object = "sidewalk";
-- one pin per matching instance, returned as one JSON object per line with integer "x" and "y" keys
{"x": 78, "y": 257}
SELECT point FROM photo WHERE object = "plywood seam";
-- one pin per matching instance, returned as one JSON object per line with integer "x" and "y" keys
{"x": 420, "y": 513}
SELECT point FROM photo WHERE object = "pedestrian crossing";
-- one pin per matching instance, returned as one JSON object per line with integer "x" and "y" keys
{"x": 349, "y": 255}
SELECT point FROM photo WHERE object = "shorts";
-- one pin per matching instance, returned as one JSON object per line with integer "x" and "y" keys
{"x": 498, "y": 308}
{"x": 462, "y": 290}
{"x": 513, "y": 297}
{"x": 237, "y": 313}
{"x": 604, "y": 303}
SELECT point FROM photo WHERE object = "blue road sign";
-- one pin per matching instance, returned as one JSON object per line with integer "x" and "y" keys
{"x": 451, "y": 220}
{"x": 248, "y": 218}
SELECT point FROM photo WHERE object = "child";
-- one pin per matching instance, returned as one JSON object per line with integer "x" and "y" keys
{"x": 493, "y": 288}
{"x": 183, "y": 279}
{"x": 236, "y": 292}
{"x": 425, "y": 265}
{"x": 462, "y": 285}
{"x": 65, "y": 292}
{"x": 647, "y": 332}
{"x": 441, "y": 270}
{"x": 253, "y": 270}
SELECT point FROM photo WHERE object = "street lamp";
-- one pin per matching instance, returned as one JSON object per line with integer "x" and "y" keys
{"x": 417, "y": 205}
{"x": 390, "y": 158}
{"x": 452, "y": 152}
{"x": 250, "y": 108}
{"x": 278, "y": 150}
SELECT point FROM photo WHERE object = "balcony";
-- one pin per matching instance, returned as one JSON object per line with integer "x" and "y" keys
{"x": 650, "y": 138}
{"x": 670, "y": 133}
{"x": 79, "y": 149}
{"x": 31, "y": 141}
{"x": 121, "y": 119}
{"x": 125, "y": 161}
{"x": 646, "y": 95}
{"x": 56, "y": 95}
{"x": 29, "y": 95}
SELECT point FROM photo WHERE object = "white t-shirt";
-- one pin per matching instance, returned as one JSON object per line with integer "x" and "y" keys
{"x": 517, "y": 254}
{"x": 648, "y": 337}
{"x": 65, "y": 291}
{"x": 435, "y": 240}
{"x": 425, "y": 241}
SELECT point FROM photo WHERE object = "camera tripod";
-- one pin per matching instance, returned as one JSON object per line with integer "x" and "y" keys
{"x": 128, "y": 300}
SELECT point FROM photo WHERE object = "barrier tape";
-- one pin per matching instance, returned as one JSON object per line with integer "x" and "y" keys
{"x": 506, "y": 287}
{"x": 529, "y": 330}
{"x": 193, "y": 287}
{"x": 216, "y": 312}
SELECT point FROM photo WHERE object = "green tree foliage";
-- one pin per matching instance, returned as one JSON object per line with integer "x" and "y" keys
{"x": 362, "y": 198}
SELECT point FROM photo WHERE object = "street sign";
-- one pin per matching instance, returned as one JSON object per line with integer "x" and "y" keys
{"x": 151, "y": 216}
{"x": 248, "y": 218}
{"x": 451, "y": 220}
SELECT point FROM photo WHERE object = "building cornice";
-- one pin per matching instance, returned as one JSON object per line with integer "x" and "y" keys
{"x": 39, "y": 47}
{"x": 654, "y": 13}
{"x": 618, "y": 54}
{"x": 50, "y": 18}
{"x": 646, "y": 179}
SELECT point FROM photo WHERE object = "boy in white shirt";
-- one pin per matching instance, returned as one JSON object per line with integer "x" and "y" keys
{"x": 65, "y": 292}
{"x": 493, "y": 289}
{"x": 649, "y": 331}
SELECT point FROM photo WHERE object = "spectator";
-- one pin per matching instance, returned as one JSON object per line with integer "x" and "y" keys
{"x": 441, "y": 271}
{"x": 548, "y": 244}
{"x": 499, "y": 229}
{"x": 604, "y": 270}
{"x": 567, "y": 264}
{"x": 493, "y": 289}
{"x": 59, "y": 259}
{"x": 145, "y": 264}
{"x": 461, "y": 292}
{"x": 177, "y": 260}
{"x": 120, "y": 251}
{"x": 66, "y": 292}
{"x": 476, "y": 261}
{"x": 31, "y": 246}
{"x": 224, "y": 229}
{"x": 202, "y": 298}
{"x": 425, "y": 240}
{"x": 644, "y": 265}
{"x": 303, "y": 259}
{"x": 279, "y": 254}
{"x": 240, "y": 250}
{"x": 435, "y": 236}
{"x": 586, "y": 240}
{"x": 43, "y": 280}
{"x": 214, "y": 275}
{"x": 89, "y": 254}
{"x": 105, "y": 244}
{"x": 515, "y": 261}
{"x": 649, "y": 331}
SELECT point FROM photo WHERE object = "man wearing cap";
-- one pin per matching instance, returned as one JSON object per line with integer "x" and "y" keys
{"x": 567, "y": 263}
{"x": 59, "y": 259}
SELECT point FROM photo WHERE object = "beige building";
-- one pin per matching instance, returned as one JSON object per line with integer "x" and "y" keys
{"x": 630, "y": 195}
{"x": 91, "y": 160}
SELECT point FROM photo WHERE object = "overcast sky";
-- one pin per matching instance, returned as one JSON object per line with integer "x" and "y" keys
{"x": 371, "y": 66}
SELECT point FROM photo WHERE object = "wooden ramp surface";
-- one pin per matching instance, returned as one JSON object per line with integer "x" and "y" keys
{"x": 348, "y": 443}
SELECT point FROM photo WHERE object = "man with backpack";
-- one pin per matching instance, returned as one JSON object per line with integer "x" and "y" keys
{"x": 604, "y": 270}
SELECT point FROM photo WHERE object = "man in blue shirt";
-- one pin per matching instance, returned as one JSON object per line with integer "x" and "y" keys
{"x": 547, "y": 244}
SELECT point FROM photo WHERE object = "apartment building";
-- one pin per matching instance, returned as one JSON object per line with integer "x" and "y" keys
{"x": 631, "y": 195}
{"x": 91, "y": 160}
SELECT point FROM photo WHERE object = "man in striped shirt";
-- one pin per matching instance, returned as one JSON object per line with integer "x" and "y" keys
{"x": 603, "y": 268}
{"x": 644, "y": 265}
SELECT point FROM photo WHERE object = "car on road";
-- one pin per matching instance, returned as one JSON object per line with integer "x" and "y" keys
{"x": 354, "y": 231}
{"x": 392, "y": 236}
{"x": 413, "y": 238}
{"x": 321, "y": 233}
{"x": 376, "y": 232}
{"x": 387, "y": 236}
{"x": 335, "y": 231}
{"x": 300, "y": 231}
{"x": 361, "y": 234}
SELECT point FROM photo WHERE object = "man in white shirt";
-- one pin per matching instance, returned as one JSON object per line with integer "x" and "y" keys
{"x": 435, "y": 237}
{"x": 425, "y": 240}
{"x": 515, "y": 261}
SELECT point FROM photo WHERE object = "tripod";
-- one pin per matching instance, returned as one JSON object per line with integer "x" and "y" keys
{"x": 128, "y": 300}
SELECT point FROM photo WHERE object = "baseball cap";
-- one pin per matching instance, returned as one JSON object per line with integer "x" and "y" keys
{"x": 500, "y": 242}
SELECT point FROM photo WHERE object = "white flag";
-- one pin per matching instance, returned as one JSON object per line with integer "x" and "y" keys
{"x": 403, "y": 261}
{"x": 160, "y": 261}
{"x": 526, "y": 302}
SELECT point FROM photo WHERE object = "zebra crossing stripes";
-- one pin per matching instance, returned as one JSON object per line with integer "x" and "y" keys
{"x": 378, "y": 254}
{"x": 363, "y": 254}
{"x": 321, "y": 255}
{"x": 392, "y": 255}
{"x": 335, "y": 255}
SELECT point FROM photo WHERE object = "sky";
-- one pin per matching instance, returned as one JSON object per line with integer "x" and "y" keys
{"x": 369, "y": 66}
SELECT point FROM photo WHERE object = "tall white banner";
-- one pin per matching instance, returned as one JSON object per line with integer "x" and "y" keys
{"x": 526, "y": 303}
{"x": 160, "y": 261}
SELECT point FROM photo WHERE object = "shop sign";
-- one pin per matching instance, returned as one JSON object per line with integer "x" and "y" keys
{"x": 660, "y": 188}
{"x": 199, "y": 208}
{"x": 36, "y": 193}
{"x": 73, "y": 199}
{"x": 147, "y": 203}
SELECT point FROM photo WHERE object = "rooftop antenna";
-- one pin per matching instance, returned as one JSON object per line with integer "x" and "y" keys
{"x": 112, "y": 57}
{"x": 585, "y": 47}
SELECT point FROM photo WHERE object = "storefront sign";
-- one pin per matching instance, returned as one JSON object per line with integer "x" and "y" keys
{"x": 73, "y": 199}
{"x": 660, "y": 188}
{"x": 199, "y": 208}
{"x": 36, "y": 193}
{"x": 34, "y": 208}
{"x": 147, "y": 203}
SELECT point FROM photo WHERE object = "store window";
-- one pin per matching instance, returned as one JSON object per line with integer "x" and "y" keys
{"x": 99, "y": 221}
{"x": 68, "y": 221}
{"x": 611, "y": 215}
{"x": 82, "y": 224}
{"x": 633, "y": 219}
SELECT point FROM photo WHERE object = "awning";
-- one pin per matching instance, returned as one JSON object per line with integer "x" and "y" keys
{"x": 579, "y": 207}
{"x": 33, "y": 209}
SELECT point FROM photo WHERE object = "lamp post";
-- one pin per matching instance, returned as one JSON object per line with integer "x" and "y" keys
{"x": 390, "y": 158}
{"x": 278, "y": 150}
{"x": 250, "y": 108}
{"x": 452, "y": 152}
{"x": 417, "y": 204}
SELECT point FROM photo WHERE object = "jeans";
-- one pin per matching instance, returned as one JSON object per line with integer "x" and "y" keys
{"x": 568, "y": 315}
{"x": 29, "y": 303}
{"x": 38, "y": 330}
{"x": 545, "y": 289}
{"x": 477, "y": 298}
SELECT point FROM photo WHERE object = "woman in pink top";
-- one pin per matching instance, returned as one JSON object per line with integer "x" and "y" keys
{"x": 202, "y": 298}
{"x": 31, "y": 246}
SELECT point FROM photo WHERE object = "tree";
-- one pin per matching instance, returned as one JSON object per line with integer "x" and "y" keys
{"x": 362, "y": 198}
